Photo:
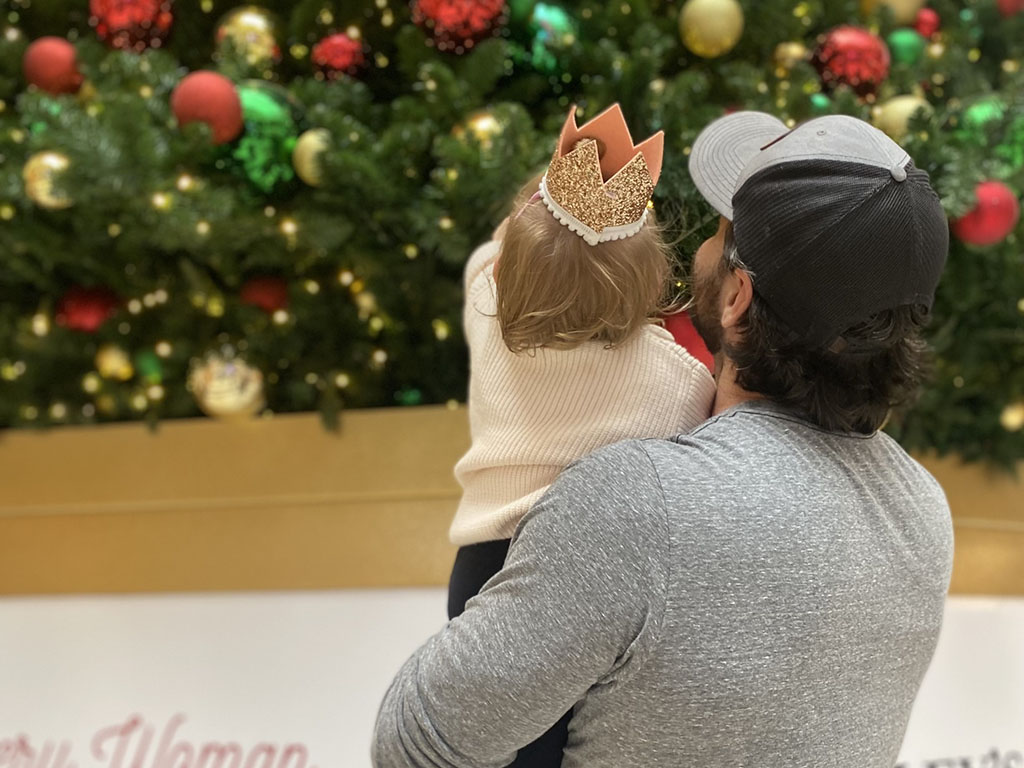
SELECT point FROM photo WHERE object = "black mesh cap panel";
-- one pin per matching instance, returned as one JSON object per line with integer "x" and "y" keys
{"x": 831, "y": 243}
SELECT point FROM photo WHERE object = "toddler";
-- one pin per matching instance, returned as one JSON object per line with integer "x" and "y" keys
{"x": 566, "y": 351}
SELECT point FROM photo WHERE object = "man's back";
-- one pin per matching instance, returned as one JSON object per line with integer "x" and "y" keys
{"x": 759, "y": 592}
{"x": 805, "y": 579}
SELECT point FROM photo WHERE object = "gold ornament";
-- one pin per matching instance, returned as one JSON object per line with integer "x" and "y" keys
{"x": 893, "y": 115}
{"x": 903, "y": 11}
{"x": 227, "y": 387}
{"x": 1012, "y": 417}
{"x": 483, "y": 125}
{"x": 113, "y": 363}
{"x": 306, "y": 156}
{"x": 788, "y": 55}
{"x": 40, "y": 173}
{"x": 253, "y": 32}
{"x": 710, "y": 28}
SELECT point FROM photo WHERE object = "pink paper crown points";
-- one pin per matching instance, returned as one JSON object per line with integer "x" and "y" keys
{"x": 617, "y": 148}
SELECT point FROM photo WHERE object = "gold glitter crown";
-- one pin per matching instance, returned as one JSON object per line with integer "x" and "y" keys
{"x": 599, "y": 183}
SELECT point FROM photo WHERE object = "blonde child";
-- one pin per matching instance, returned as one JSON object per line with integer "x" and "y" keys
{"x": 566, "y": 351}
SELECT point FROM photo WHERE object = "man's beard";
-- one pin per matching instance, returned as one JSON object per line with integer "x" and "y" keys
{"x": 704, "y": 311}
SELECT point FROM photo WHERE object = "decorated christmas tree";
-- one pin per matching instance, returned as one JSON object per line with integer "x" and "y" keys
{"x": 220, "y": 208}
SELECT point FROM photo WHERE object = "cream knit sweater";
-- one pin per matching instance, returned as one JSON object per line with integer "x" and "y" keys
{"x": 533, "y": 414}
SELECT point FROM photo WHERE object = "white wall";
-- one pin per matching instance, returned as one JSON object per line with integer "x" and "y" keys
{"x": 299, "y": 676}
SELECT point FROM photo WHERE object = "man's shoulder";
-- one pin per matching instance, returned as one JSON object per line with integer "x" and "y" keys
{"x": 611, "y": 492}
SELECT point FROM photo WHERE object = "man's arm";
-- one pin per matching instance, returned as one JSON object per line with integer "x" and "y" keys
{"x": 578, "y": 602}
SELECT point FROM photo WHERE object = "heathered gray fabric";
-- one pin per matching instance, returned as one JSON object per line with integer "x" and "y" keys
{"x": 759, "y": 592}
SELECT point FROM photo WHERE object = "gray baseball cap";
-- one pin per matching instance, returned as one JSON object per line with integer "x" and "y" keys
{"x": 832, "y": 218}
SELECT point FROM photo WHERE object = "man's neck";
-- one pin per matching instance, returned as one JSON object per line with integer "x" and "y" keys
{"x": 729, "y": 393}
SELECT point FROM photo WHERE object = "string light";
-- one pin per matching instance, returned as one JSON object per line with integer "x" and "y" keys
{"x": 289, "y": 227}
{"x": 146, "y": 92}
{"x": 312, "y": 287}
{"x": 155, "y": 392}
{"x": 280, "y": 317}
{"x": 441, "y": 329}
{"x": 379, "y": 357}
{"x": 376, "y": 325}
{"x": 149, "y": 300}
{"x": 58, "y": 411}
{"x": 215, "y": 306}
{"x": 445, "y": 222}
{"x": 114, "y": 229}
{"x": 342, "y": 380}
{"x": 411, "y": 251}
{"x": 345, "y": 277}
{"x": 203, "y": 227}
{"x": 311, "y": 378}
{"x": 186, "y": 182}
{"x": 139, "y": 402}
{"x": 161, "y": 296}
{"x": 6, "y": 212}
{"x": 163, "y": 349}
{"x": 135, "y": 306}
{"x": 40, "y": 324}
{"x": 161, "y": 201}
{"x": 91, "y": 383}
{"x": 29, "y": 412}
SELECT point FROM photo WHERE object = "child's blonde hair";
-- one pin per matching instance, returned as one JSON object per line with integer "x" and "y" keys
{"x": 557, "y": 291}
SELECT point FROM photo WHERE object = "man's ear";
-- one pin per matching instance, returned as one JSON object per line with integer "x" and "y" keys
{"x": 737, "y": 293}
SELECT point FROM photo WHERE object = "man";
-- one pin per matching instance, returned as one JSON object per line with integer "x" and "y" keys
{"x": 768, "y": 589}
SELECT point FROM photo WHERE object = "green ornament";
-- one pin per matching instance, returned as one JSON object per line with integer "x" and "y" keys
{"x": 264, "y": 152}
{"x": 906, "y": 46}
{"x": 148, "y": 364}
{"x": 979, "y": 114}
{"x": 409, "y": 397}
{"x": 820, "y": 104}
{"x": 554, "y": 32}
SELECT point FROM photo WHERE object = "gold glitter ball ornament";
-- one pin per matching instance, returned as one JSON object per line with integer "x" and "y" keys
{"x": 253, "y": 32}
{"x": 788, "y": 55}
{"x": 227, "y": 387}
{"x": 306, "y": 156}
{"x": 112, "y": 362}
{"x": 903, "y": 11}
{"x": 482, "y": 125}
{"x": 710, "y": 28}
{"x": 1012, "y": 417}
{"x": 42, "y": 176}
{"x": 893, "y": 116}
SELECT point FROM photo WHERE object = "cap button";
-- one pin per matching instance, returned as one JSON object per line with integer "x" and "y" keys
{"x": 898, "y": 172}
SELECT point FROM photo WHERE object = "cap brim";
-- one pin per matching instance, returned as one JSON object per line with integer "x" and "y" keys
{"x": 723, "y": 150}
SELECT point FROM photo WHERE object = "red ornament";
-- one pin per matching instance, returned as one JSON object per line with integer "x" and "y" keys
{"x": 338, "y": 54}
{"x": 1011, "y": 7}
{"x": 50, "y": 63}
{"x": 457, "y": 25}
{"x": 927, "y": 22}
{"x": 132, "y": 24}
{"x": 268, "y": 293}
{"x": 86, "y": 309}
{"x": 209, "y": 98}
{"x": 852, "y": 56}
{"x": 992, "y": 218}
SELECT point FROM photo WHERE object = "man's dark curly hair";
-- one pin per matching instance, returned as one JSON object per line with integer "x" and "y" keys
{"x": 853, "y": 385}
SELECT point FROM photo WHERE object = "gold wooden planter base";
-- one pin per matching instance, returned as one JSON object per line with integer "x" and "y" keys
{"x": 282, "y": 504}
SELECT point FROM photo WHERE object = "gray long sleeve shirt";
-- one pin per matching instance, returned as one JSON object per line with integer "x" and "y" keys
{"x": 759, "y": 592}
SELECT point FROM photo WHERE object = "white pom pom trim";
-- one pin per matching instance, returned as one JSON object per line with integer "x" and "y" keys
{"x": 592, "y": 236}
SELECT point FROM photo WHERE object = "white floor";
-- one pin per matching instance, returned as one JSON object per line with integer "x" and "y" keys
{"x": 299, "y": 676}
